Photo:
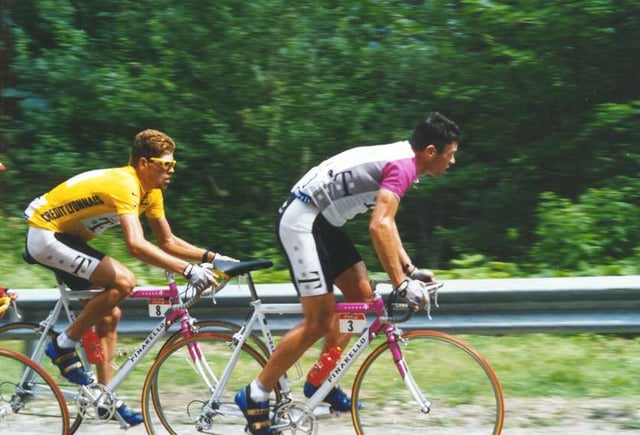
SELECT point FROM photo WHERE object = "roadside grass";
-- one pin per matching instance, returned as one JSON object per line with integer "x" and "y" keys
{"x": 572, "y": 366}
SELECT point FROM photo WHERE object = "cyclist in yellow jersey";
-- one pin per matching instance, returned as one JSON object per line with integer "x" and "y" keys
{"x": 79, "y": 209}
{"x": 89, "y": 203}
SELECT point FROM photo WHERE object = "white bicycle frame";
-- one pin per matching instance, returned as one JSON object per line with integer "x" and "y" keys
{"x": 259, "y": 315}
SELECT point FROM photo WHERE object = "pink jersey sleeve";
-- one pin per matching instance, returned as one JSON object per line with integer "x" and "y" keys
{"x": 399, "y": 175}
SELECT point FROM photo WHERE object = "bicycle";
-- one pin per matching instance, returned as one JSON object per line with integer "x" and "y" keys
{"x": 98, "y": 402}
{"x": 429, "y": 380}
{"x": 19, "y": 407}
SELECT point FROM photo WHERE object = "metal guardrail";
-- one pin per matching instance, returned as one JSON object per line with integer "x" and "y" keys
{"x": 601, "y": 304}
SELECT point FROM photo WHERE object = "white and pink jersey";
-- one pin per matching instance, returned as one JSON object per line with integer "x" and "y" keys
{"x": 347, "y": 184}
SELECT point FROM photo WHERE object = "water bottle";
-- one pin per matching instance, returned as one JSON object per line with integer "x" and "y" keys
{"x": 92, "y": 346}
{"x": 323, "y": 366}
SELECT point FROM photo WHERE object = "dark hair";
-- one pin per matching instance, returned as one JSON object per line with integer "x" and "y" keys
{"x": 437, "y": 130}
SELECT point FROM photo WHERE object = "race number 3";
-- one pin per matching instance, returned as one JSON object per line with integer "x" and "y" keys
{"x": 158, "y": 306}
{"x": 352, "y": 322}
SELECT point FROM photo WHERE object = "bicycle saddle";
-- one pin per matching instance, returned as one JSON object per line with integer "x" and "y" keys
{"x": 235, "y": 268}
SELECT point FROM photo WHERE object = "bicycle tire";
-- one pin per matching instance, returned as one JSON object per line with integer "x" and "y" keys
{"x": 219, "y": 326}
{"x": 16, "y": 335}
{"x": 464, "y": 391}
{"x": 38, "y": 403}
{"x": 173, "y": 392}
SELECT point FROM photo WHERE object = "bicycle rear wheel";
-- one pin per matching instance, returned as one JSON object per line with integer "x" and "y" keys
{"x": 176, "y": 389}
{"x": 30, "y": 400}
{"x": 23, "y": 337}
{"x": 463, "y": 389}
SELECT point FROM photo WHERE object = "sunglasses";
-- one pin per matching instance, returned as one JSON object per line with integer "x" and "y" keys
{"x": 167, "y": 165}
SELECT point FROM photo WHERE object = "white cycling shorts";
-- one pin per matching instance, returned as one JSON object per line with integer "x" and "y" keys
{"x": 316, "y": 250}
{"x": 63, "y": 252}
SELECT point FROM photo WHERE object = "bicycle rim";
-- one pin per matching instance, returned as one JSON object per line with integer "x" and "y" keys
{"x": 174, "y": 392}
{"x": 32, "y": 407}
{"x": 463, "y": 390}
{"x": 22, "y": 337}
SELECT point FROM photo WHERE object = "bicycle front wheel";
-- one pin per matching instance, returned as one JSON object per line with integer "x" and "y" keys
{"x": 30, "y": 400}
{"x": 464, "y": 392}
{"x": 179, "y": 384}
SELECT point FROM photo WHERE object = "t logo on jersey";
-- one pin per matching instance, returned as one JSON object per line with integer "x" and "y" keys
{"x": 81, "y": 264}
{"x": 346, "y": 183}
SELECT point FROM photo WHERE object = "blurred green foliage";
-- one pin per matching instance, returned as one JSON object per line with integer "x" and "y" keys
{"x": 547, "y": 95}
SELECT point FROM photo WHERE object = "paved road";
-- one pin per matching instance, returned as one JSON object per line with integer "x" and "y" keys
{"x": 548, "y": 416}
{"x": 581, "y": 428}
{"x": 587, "y": 429}
{"x": 565, "y": 429}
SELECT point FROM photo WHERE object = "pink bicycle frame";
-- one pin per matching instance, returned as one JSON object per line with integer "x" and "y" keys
{"x": 377, "y": 307}
{"x": 173, "y": 294}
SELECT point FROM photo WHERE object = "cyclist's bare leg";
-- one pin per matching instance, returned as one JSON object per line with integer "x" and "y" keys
{"x": 107, "y": 331}
{"x": 102, "y": 311}
{"x": 355, "y": 285}
{"x": 318, "y": 314}
{"x": 117, "y": 281}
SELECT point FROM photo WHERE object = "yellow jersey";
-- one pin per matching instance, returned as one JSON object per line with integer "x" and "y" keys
{"x": 87, "y": 204}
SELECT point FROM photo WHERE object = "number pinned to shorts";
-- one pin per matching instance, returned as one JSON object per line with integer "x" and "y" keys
{"x": 158, "y": 307}
{"x": 352, "y": 322}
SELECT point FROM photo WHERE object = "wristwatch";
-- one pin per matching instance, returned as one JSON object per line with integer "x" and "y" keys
{"x": 409, "y": 268}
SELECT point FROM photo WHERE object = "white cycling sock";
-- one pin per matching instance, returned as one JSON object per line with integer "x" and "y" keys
{"x": 257, "y": 392}
{"x": 65, "y": 341}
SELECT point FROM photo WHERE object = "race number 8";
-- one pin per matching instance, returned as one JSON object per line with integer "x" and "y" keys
{"x": 158, "y": 307}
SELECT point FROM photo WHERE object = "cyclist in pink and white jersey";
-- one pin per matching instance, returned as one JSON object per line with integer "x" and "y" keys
{"x": 321, "y": 255}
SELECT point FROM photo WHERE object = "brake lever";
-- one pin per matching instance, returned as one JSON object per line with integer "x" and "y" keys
{"x": 13, "y": 297}
{"x": 432, "y": 291}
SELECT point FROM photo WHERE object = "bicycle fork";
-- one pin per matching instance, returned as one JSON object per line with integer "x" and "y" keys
{"x": 395, "y": 340}
{"x": 211, "y": 407}
{"x": 204, "y": 421}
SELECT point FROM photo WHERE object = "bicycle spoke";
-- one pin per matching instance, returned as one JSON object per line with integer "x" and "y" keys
{"x": 32, "y": 406}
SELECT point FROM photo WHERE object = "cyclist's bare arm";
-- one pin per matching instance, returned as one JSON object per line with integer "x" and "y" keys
{"x": 145, "y": 251}
{"x": 385, "y": 236}
{"x": 174, "y": 245}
